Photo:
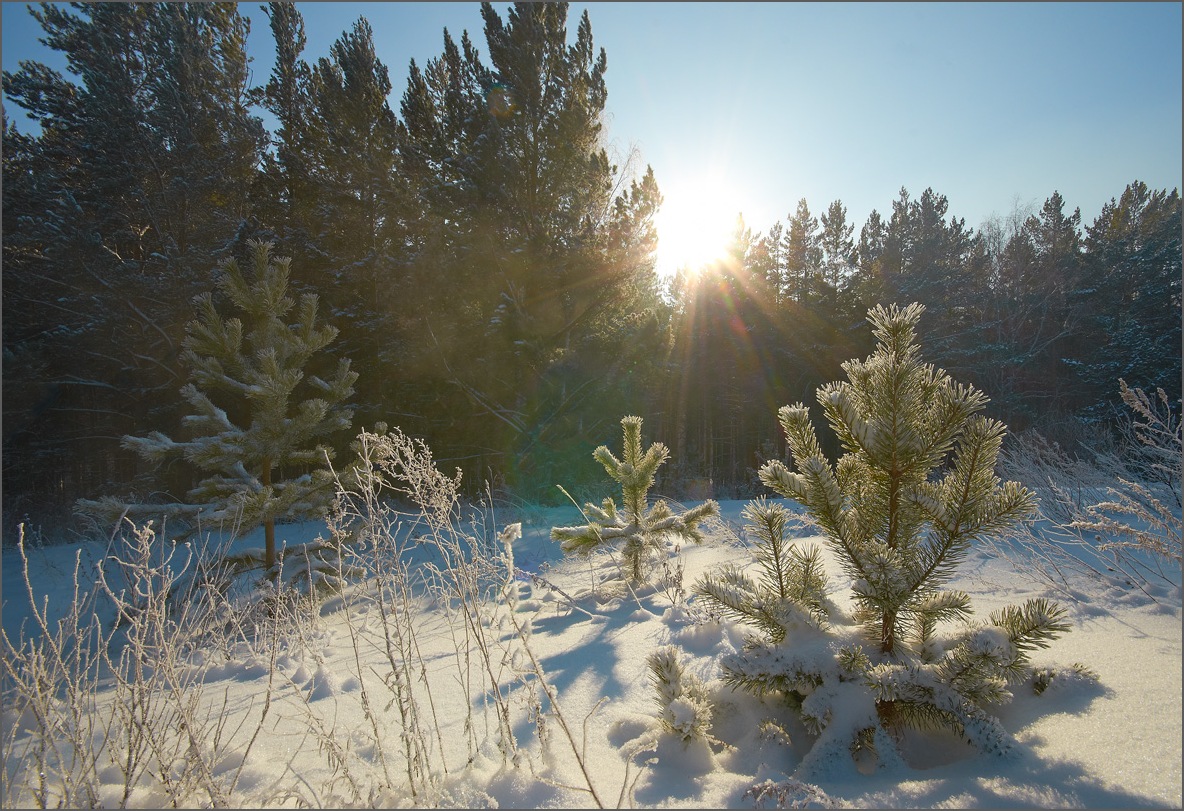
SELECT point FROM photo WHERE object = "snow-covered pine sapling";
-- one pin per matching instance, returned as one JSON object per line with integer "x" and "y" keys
{"x": 684, "y": 708}
{"x": 791, "y": 590}
{"x": 900, "y": 510}
{"x": 637, "y": 526}
{"x": 258, "y": 420}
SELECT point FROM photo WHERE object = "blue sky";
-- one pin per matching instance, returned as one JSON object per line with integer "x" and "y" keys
{"x": 761, "y": 104}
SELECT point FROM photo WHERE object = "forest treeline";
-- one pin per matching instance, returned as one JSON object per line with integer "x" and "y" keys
{"x": 490, "y": 269}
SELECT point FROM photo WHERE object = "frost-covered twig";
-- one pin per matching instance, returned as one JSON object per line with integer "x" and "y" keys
{"x": 789, "y": 793}
{"x": 538, "y": 580}
{"x": 580, "y": 752}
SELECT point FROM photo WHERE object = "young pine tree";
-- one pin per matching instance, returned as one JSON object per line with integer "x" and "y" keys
{"x": 255, "y": 413}
{"x": 916, "y": 486}
{"x": 639, "y": 527}
{"x": 791, "y": 589}
{"x": 900, "y": 511}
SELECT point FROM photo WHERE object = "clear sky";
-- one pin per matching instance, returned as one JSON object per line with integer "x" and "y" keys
{"x": 751, "y": 106}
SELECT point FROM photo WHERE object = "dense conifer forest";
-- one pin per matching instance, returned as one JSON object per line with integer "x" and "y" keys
{"x": 489, "y": 270}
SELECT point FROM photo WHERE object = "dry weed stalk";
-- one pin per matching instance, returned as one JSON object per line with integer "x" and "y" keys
{"x": 109, "y": 704}
{"x": 95, "y": 699}
{"x": 1144, "y": 515}
{"x": 1131, "y": 539}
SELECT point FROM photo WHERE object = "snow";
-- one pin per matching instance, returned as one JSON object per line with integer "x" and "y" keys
{"x": 1113, "y": 743}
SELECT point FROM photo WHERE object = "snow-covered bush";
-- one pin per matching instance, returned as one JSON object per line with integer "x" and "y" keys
{"x": 789, "y": 794}
{"x": 900, "y": 510}
{"x": 398, "y": 519}
{"x": 109, "y": 699}
{"x": 417, "y": 674}
{"x": 1145, "y": 514}
{"x": 638, "y": 527}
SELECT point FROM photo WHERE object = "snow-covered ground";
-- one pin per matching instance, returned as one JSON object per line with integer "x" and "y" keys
{"x": 320, "y": 720}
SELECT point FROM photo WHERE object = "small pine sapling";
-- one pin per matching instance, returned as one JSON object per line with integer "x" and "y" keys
{"x": 684, "y": 708}
{"x": 900, "y": 510}
{"x": 791, "y": 591}
{"x": 259, "y": 420}
{"x": 637, "y": 526}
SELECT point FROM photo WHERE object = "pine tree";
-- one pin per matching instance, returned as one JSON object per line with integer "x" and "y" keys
{"x": 354, "y": 138}
{"x": 285, "y": 185}
{"x": 899, "y": 532}
{"x": 803, "y": 255}
{"x": 258, "y": 418}
{"x": 871, "y": 278}
{"x": 546, "y": 246}
{"x": 791, "y": 590}
{"x": 209, "y": 142}
{"x": 546, "y": 184}
{"x": 1045, "y": 303}
{"x": 445, "y": 112}
{"x": 900, "y": 510}
{"x": 128, "y": 195}
{"x": 1129, "y": 304}
{"x": 897, "y": 239}
{"x": 638, "y": 526}
{"x": 767, "y": 261}
{"x": 942, "y": 269}
{"x": 838, "y": 252}
{"x": 359, "y": 207}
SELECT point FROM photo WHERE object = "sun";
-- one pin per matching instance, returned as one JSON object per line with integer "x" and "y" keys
{"x": 695, "y": 224}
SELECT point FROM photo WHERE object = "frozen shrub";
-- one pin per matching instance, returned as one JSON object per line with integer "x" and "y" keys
{"x": 1113, "y": 512}
{"x": 1145, "y": 515}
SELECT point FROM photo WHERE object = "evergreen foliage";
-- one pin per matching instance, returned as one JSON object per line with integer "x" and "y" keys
{"x": 639, "y": 528}
{"x": 899, "y": 530}
{"x": 130, "y": 192}
{"x": 1128, "y": 305}
{"x": 803, "y": 255}
{"x": 258, "y": 417}
{"x": 791, "y": 591}
{"x": 900, "y": 510}
{"x": 838, "y": 262}
{"x": 481, "y": 245}
{"x": 286, "y": 185}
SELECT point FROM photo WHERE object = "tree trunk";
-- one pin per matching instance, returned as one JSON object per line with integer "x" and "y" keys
{"x": 887, "y": 633}
{"x": 886, "y": 710}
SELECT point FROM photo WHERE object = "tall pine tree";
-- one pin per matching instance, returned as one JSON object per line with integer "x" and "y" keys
{"x": 1130, "y": 301}
{"x": 133, "y": 188}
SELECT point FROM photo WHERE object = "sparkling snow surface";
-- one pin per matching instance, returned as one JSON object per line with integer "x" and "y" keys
{"x": 1115, "y": 744}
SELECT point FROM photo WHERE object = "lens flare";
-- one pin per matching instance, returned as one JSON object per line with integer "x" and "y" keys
{"x": 500, "y": 101}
